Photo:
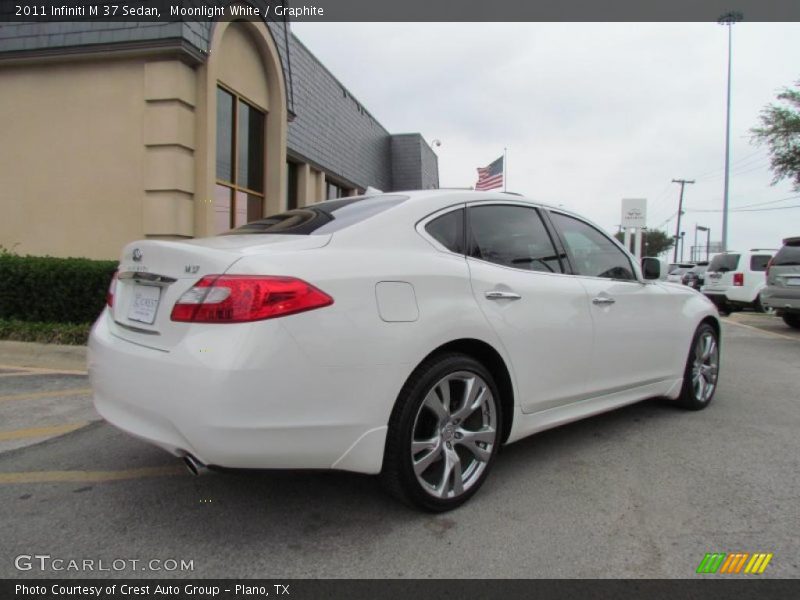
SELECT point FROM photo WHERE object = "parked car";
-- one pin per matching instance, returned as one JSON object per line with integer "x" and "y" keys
{"x": 783, "y": 282}
{"x": 695, "y": 277}
{"x": 403, "y": 334}
{"x": 677, "y": 272}
{"x": 735, "y": 280}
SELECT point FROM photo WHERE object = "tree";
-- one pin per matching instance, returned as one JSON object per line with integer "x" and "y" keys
{"x": 780, "y": 130}
{"x": 654, "y": 241}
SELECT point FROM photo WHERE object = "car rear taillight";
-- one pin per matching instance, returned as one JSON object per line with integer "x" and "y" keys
{"x": 738, "y": 279}
{"x": 112, "y": 288}
{"x": 242, "y": 298}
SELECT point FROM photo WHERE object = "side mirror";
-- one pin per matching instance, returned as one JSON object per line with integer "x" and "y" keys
{"x": 653, "y": 268}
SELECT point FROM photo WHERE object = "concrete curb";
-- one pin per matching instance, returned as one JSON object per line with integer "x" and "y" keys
{"x": 43, "y": 356}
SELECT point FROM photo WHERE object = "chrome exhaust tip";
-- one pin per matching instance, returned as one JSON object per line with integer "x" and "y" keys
{"x": 194, "y": 466}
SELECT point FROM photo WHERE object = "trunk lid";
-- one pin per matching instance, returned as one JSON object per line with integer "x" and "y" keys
{"x": 153, "y": 274}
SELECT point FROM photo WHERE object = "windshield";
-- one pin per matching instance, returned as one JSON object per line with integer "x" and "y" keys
{"x": 724, "y": 263}
{"x": 322, "y": 218}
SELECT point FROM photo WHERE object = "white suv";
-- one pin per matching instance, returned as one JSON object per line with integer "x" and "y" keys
{"x": 734, "y": 280}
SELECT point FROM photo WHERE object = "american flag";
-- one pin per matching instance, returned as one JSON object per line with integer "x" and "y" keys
{"x": 490, "y": 177}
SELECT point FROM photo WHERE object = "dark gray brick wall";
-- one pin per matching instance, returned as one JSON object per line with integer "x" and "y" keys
{"x": 39, "y": 36}
{"x": 331, "y": 128}
{"x": 414, "y": 164}
{"x": 430, "y": 167}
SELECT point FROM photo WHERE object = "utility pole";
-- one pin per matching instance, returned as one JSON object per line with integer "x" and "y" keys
{"x": 727, "y": 19}
{"x": 683, "y": 182}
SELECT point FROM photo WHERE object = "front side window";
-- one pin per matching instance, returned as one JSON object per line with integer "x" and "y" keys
{"x": 592, "y": 252}
{"x": 239, "y": 193}
{"x": 512, "y": 236}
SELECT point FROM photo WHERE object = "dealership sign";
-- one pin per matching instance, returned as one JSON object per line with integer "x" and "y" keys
{"x": 634, "y": 212}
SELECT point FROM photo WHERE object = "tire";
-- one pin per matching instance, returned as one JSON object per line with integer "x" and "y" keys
{"x": 792, "y": 320}
{"x": 759, "y": 307}
{"x": 701, "y": 375}
{"x": 439, "y": 453}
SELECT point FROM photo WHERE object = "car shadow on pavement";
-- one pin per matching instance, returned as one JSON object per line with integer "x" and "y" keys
{"x": 288, "y": 514}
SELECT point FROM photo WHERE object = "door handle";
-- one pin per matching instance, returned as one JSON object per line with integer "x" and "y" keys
{"x": 498, "y": 295}
{"x": 603, "y": 301}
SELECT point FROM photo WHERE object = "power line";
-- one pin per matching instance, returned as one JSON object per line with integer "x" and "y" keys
{"x": 736, "y": 162}
{"x": 717, "y": 173}
{"x": 769, "y": 202}
{"x": 740, "y": 169}
{"x": 716, "y": 210}
{"x": 772, "y": 208}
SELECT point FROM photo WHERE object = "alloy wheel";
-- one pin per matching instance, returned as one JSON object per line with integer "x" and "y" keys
{"x": 705, "y": 367}
{"x": 454, "y": 434}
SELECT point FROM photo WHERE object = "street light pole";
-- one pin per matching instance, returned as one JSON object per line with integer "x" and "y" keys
{"x": 708, "y": 238}
{"x": 727, "y": 19}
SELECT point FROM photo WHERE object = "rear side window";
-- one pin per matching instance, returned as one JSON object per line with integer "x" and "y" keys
{"x": 788, "y": 255}
{"x": 593, "y": 253}
{"x": 512, "y": 236}
{"x": 322, "y": 218}
{"x": 448, "y": 230}
{"x": 723, "y": 263}
{"x": 758, "y": 262}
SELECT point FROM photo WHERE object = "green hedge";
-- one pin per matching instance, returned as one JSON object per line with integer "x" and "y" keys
{"x": 45, "y": 333}
{"x": 53, "y": 290}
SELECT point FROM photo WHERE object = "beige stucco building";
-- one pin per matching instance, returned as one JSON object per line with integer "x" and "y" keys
{"x": 187, "y": 131}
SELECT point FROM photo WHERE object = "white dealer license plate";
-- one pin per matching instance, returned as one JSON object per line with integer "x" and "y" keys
{"x": 145, "y": 303}
{"x": 793, "y": 281}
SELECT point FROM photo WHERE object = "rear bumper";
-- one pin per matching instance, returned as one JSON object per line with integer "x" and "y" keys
{"x": 781, "y": 299}
{"x": 248, "y": 399}
{"x": 731, "y": 296}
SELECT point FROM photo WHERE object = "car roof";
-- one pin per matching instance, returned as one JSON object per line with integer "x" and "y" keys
{"x": 443, "y": 197}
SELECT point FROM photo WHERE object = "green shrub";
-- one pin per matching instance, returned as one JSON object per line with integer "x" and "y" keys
{"x": 51, "y": 290}
{"x": 45, "y": 333}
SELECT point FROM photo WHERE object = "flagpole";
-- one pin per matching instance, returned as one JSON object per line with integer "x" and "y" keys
{"x": 505, "y": 173}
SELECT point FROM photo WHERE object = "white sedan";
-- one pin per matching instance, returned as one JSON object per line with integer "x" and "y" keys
{"x": 405, "y": 334}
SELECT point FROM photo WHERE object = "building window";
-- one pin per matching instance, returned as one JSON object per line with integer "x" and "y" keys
{"x": 239, "y": 193}
{"x": 333, "y": 191}
{"x": 291, "y": 185}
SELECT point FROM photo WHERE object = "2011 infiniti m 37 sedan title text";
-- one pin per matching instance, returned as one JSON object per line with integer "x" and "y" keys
{"x": 407, "y": 334}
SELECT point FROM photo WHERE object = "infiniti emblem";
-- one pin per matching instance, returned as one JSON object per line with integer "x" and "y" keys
{"x": 137, "y": 254}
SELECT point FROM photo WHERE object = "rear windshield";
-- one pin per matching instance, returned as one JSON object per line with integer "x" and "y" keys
{"x": 788, "y": 255}
{"x": 723, "y": 263}
{"x": 758, "y": 262}
{"x": 325, "y": 217}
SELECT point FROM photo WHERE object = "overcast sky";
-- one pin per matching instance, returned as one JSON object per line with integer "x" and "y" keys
{"x": 590, "y": 113}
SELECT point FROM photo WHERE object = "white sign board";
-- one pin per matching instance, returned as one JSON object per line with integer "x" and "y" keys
{"x": 634, "y": 212}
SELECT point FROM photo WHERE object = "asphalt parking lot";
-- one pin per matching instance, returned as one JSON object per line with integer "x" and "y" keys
{"x": 641, "y": 492}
